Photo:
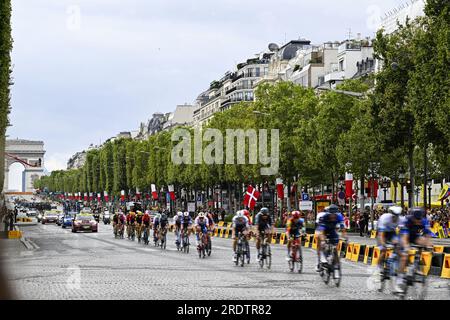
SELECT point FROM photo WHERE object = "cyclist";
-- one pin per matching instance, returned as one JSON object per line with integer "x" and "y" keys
{"x": 263, "y": 223}
{"x": 146, "y": 222}
{"x": 132, "y": 222}
{"x": 239, "y": 225}
{"x": 155, "y": 224}
{"x": 186, "y": 223}
{"x": 387, "y": 226}
{"x": 414, "y": 229}
{"x": 177, "y": 222}
{"x": 201, "y": 226}
{"x": 163, "y": 224}
{"x": 122, "y": 222}
{"x": 139, "y": 217}
{"x": 317, "y": 232}
{"x": 295, "y": 228}
{"x": 116, "y": 223}
{"x": 327, "y": 229}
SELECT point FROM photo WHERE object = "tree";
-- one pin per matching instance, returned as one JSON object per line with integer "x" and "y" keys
{"x": 5, "y": 78}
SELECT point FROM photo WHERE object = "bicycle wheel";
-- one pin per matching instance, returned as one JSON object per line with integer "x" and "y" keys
{"x": 209, "y": 247}
{"x": 420, "y": 282}
{"x": 299, "y": 260}
{"x": 268, "y": 257}
{"x": 163, "y": 244}
{"x": 337, "y": 273}
{"x": 247, "y": 251}
{"x": 262, "y": 256}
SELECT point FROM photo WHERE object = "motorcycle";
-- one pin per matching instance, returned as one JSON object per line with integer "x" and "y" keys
{"x": 106, "y": 218}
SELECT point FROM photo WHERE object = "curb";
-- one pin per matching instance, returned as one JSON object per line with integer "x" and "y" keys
{"x": 30, "y": 245}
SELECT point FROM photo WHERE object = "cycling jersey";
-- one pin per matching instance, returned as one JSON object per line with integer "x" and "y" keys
{"x": 177, "y": 221}
{"x": 328, "y": 223}
{"x": 202, "y": 224}
{"x": 122, "y": 218}
{"x": 240, "y": 223}
{"x": 388, "y": 226}
{"x": 146, "y": 219}
{"x": 414, "y": 230}
{"x": 294, "y": 228}
{"x": 186, "y": 221}
{"x": 116, "y": 218}
{"x": 139, "y": 218}
{"x": 263, "y": 222}
{"x": 132, "y": 216}
{"x": 210, "y": 220}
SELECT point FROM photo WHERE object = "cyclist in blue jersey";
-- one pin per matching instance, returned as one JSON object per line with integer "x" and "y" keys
{"x": 414, "y": 229}
{"x": 327, "y": 229}
{"x": 201, "y": 226}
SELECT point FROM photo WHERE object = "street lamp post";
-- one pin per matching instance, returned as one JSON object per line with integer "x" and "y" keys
{"x": 430, "y": 186}
{"x": 402, "y": 179}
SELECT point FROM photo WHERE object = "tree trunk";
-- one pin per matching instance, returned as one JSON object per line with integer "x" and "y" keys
{"x": 333, "y": 200}
{"x": 229, "y": 198}
{"x": 289, "y": 196}
{"x": 412, "y": 170}
{"x": 425, "y": 176}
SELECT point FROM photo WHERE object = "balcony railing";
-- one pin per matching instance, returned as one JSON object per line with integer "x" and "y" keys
{"x": 230, "y": 90}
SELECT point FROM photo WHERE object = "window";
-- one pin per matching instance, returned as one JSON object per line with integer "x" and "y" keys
{"x": 257, "y": 72}
{"x": 266, "y": 71}
{"x": 341, "y": 65}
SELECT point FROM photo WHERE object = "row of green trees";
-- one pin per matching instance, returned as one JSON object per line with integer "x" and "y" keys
{"x": 399, "y": 123}
{"x": 5, "y": 78}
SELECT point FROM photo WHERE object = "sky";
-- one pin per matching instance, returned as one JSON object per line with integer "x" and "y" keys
{"x": 85, "y": 70}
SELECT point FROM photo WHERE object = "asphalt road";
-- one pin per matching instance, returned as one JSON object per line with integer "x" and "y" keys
{"x": 64, "y": 265}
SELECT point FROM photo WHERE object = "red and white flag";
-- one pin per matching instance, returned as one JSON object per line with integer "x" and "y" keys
{"x": 348, "y": 185}
{"x": 122, "y": 195}
{"x": 106, "y": 197}
{"x": 85, "y": 196}
{"x": 138, "y": 194}
{"x": 154, "y": 192}
{"x": 171, "y": 192}
{"x": 99, "y": 197}
{"x": 250, "y": 198}
{"x": 280, "y": 188}
{"x": 91, "y": 196}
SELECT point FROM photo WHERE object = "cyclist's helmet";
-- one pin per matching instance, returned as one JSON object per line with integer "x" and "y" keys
{"x": 264, "y": 211}
{"x": 418, "y": 213}
{"x": 201, "y": 215}
{"x": 296, "y": 215}
{"x": 333, "y": 209}
{"x": 240, "y": 214}
{"x": 327, "y": 209}
{"x": 395, "y": 210}
{"x": 186, "y": 214}
{"x": 179, "y": 213}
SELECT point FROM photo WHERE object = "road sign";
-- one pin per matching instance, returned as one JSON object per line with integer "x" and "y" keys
{"x": 306, "y": 205}
{"x": 305, "y": 197}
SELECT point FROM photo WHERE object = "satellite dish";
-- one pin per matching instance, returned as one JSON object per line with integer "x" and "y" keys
{"x": 273, "y": 47}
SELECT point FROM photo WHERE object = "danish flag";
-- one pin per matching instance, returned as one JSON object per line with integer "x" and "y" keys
{"x": 251, "y": 197}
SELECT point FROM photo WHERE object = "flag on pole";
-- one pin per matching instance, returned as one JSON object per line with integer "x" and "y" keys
{"x": 122, "y": 195}
{"x": 106, "y": 197}
{"x": 138, "y": 194}
{"x": 85, "y": 196}
{"x": 445, "y": 193}
{"x": 99, "y": 197}
{"x": 91, "y": 196}
{"x": 171, "y": 192}
{"x": 348, "y": 185}
{"x": 154, "y": 192}
{"x": 280, "y": 188}
{"x": 251, "y": 197}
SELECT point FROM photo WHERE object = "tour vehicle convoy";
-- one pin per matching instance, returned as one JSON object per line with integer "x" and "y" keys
{"x": 50, "y": 216}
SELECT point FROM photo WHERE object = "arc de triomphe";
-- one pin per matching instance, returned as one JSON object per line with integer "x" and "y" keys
{"x": 31, "y": 155}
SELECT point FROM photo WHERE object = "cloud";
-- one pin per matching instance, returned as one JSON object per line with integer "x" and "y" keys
{"x": 56, "y": 161}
